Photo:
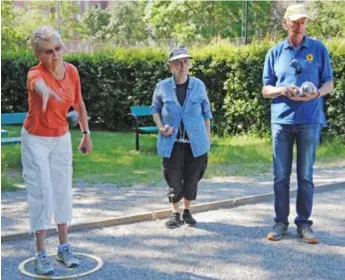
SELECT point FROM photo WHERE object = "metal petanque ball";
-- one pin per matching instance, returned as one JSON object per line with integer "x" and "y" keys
{"x": 308, "y": 87}
{"x": 73, "y": 118}
{"x": 166, "y": 127}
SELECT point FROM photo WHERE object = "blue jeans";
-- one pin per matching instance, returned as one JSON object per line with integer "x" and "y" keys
{"x": 307, "y": 138}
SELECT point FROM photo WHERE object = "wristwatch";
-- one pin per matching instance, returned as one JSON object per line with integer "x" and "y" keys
{"x": 86, "y": 132}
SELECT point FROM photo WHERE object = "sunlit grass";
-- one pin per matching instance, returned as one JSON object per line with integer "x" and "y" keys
{"x": 115, "y": 160}
{"x": 330, "y": 151}
{"x": 240, "y": 155}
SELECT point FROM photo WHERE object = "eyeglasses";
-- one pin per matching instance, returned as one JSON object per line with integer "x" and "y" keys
{"x": 56, "y": 50}
{"x": 298, "y": 68}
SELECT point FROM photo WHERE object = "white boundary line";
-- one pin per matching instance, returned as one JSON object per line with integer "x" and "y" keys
{"x": 99, "y": 261}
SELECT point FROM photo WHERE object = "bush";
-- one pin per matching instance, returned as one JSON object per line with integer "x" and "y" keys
{"x": 113, "y": 81}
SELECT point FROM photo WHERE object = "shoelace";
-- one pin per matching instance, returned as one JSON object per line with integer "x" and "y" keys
{"x": 66, "y": 251}
{"x": 44, "y": 261}
{"x": 67, "y": 254}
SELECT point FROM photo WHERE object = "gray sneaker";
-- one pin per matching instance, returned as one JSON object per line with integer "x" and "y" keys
{"x": 42, "y": 264}
{"x": 279, "y": 229}
{"x": 307, "y": 234}
{"x": 65, "y": 255}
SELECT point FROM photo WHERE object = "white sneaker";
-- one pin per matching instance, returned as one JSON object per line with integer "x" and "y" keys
{"x": 42, "y": 264}
{"x": 65, "y": 255}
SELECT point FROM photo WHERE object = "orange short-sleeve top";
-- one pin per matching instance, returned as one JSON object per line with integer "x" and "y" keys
{"x": 52, "y": 122}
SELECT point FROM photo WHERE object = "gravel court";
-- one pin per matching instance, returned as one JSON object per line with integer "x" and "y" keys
{"x": 106, "y": 201}
{"x": 226, "y": 244}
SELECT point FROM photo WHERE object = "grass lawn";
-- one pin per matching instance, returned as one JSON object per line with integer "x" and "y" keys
{"x": 114, "y": 159}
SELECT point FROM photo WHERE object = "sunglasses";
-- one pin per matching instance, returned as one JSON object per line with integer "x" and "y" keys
{"x": 56, "y": 50}
{"x": 298, "y": 68}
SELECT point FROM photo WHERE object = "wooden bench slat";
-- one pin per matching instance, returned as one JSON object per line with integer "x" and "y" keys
{"x": 13, "y": 118}
{"x": 141, "y": 111}
{"x": 4, "y": 133}
{"x": 148, "y": 129}
{"x": 10, "y": 141}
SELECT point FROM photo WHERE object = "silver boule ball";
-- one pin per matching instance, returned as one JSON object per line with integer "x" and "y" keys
{"x": 166, "y": 127}
{"x": 308, "y": 87}
{"x": 73, "y": 118}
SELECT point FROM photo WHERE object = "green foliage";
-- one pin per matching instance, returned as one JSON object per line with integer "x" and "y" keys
{"x": 117, "y": 80}
{"x": 187, "y": 21}
{"x": 328, "y": 19}
{"x": 18, "y": 24}
{"x": 10, "y": 37}
{"x": 113, "y": 81}
{"x": 127, "y": 22}
{"x": 143, "y": 22}
{"x": 95, "y": 22}
{"x": 122, "y": 23}
{"x": 243, "y": 100}
{"x": 336, "y": 111}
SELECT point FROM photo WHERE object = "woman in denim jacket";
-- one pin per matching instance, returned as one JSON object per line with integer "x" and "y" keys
{"x": 182, "y": 113}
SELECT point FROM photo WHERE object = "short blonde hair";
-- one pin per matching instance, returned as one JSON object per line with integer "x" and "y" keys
{"x": 44, "y": 34}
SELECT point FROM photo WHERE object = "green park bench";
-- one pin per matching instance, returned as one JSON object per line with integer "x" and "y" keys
{"x": 11, "y": 118}
{"x": 138, "y": 112}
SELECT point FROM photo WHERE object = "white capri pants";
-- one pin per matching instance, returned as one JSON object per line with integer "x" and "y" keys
{"x": 47, "y": 172}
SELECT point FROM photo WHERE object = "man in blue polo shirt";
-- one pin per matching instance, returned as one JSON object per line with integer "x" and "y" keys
{"x": 296, "y": 118}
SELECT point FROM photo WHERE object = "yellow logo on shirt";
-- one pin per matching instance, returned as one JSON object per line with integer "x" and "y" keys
{"x": 310, "y": 57}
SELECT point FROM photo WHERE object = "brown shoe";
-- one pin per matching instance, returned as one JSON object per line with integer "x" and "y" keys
{"x": 307, "y": 234}
{"x": 279, "y": 229}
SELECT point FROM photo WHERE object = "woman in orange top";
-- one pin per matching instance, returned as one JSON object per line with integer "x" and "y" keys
{"x": 53, "y": 87}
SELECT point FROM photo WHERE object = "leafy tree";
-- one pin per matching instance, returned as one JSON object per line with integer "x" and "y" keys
{"x": 11, "y": 39}
{"x": 70, "y": 23}
{"x": 121, "y": 23}
{"x": 95, "y": 23}
{"x": 328, "y": 19}
{"x": 127, "y": 21}
{"x": 187, "y": 21}
{"x": 38, "y": 13}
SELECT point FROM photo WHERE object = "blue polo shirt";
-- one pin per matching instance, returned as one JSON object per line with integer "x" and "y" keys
{"x": 313, "y": 63}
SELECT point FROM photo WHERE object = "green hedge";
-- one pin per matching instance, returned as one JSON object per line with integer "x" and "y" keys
{"x": 115, "y": 80}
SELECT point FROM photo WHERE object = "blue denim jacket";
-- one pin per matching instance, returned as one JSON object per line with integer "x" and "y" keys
{"x": 193, "y": 113}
